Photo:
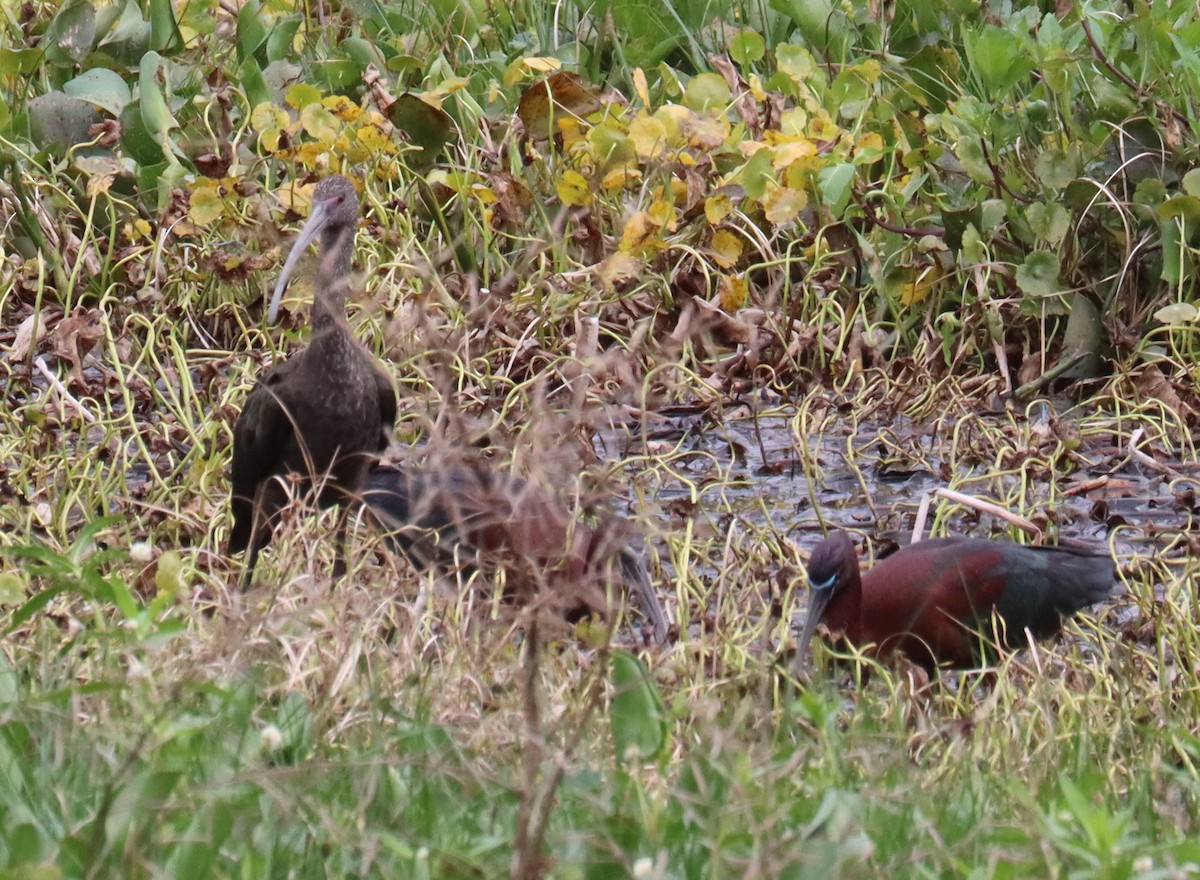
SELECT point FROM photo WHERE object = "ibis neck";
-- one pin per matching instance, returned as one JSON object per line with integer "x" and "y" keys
{"x": 333, "y": 277}
{"x": 844, "y": 612}
{"x": 337, "y": 249}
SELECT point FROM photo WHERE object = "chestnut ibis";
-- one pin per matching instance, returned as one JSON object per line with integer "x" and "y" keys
{"x": 323, "y": 415}
{"x": 933, "y": 600}
{"x": 434, "y": 512}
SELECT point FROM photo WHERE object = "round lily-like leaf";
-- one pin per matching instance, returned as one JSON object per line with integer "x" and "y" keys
{"x": 101, "y": 88}
{"x": 1038, "y": 275}
{"x": 60, "y": 119}
{"x": 429, "y": 128}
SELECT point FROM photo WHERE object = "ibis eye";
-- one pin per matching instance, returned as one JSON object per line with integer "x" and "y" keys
{"x": 828, "y": 584}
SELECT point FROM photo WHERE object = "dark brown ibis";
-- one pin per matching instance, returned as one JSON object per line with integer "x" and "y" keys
{"x": 933, "y": 601}
{"x": 323, "y": 415}
{"x": 435, "y": 512}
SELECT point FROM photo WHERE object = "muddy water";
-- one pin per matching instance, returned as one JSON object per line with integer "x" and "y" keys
{"x": 765, "y": 475}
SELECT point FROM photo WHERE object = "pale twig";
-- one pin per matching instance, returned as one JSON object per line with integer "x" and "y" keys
{"x": 60, "y": 390}
{"x": 994, "y": 509}
{"x": 1147, "y": 460}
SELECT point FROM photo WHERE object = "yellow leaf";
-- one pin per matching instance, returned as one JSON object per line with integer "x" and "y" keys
{"x": 319, "y": 123}
{"x": 794, "y": 122}
{"x": 706, "y": 132}
{"x": 619, "y": 267}
{"x": 296, "y": 198}
{"x": 204, "y": 206}
{"x": 785, "y": 154}
{"x": 573, "y": 189}
{"x": 734, "y": 291}
{"x": 640, "y": 235}
{"x": 571, "y": 130}
{"x": 648, "y": 135}
{"x": 343, "y": 108}
{"x": 726, "y": 248}
{"x": 619, "y": 178}
{"x": 662, "y": 214}
{"x": 918, "y": 289}
{"x": 868, "y": 148}
{"x": 823, "y": 129}
{"x": 673, "y": 118}
{"x": 301, "y": 95}
{"x": 757, "y": 92}
{"x": 749, "y": 148}
{"x": 313, "y": 155}
{"x": 542, "y": 64}
{"x": 99, "y": 184}
{"x": 267, "y": 116}
{"x": 372, "y": 139}
{"x": 139, "y": 229}
{"x": 781, "y": 204}
{"x": 641, "y": 87}
{"x": 448, "y": 86}
{"x": 717, "y": 208}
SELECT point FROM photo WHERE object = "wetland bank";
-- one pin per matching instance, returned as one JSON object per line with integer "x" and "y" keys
{"x": 738, "y": 275}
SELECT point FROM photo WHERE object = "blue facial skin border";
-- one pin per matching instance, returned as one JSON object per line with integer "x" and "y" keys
{"x": 826, "y": 584}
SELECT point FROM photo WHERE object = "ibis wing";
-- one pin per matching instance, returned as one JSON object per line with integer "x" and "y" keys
{"x": 259, "y": 436}
{"x": 386, "y": 395}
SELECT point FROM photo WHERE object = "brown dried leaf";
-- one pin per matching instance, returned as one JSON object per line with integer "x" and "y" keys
{"x": 555, "y": 95}
{"x": 75, "y": 336}
{"x": 1151, "y": 383}
{"x": 29, "y": 334}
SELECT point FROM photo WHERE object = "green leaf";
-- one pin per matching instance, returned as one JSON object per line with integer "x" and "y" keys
{"x": 130, "y": 38}
{"x": 757, "y": 173}
{"x": 164, "y": 31}
{"x": 1191, "y": 182}
{"x": 747, "y": 47}
{"x": 1187, "y": 207}
{"x": 795, "y": 61}
{"x": 1174, "y": 255}
{"x": 707, "y": 91}
{"x": 995, "y": 56}
{"x": 19, "y": 62}
{"x": 427, "y": 127}
{"x": 155, "y": 113}
{"x": 102, "y": 88}
{"x": 71, "y": 33}
{"x": 59, "y": 119}
{"x": 1054, "y": 168}
{"x": 135, "y": 139}
{"x": 836, "y": 182}
{"x": 253, "y": 84}
{"x": 637, "y": 715}
{"x": 1038, "y": 275}
{"x": 281, "y": 42}
{"x": 251, "y": 30}
{"x": 1050, "y": 222}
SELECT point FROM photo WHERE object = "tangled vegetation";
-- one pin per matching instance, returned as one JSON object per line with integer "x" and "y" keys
{"x": 752, "y": 268}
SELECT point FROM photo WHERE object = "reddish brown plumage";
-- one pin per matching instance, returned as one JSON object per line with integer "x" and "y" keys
{"x": 435, "y": 512}
{"x": 933, "y": 600}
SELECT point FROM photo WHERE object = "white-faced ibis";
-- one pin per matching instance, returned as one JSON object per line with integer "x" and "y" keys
{"x": 433, "y": 512}
{"x": 324, "y": 414}
{"x": 933, "y": 600}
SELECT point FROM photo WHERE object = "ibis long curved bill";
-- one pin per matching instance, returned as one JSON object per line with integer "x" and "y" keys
{"x": 322, "y": 210}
